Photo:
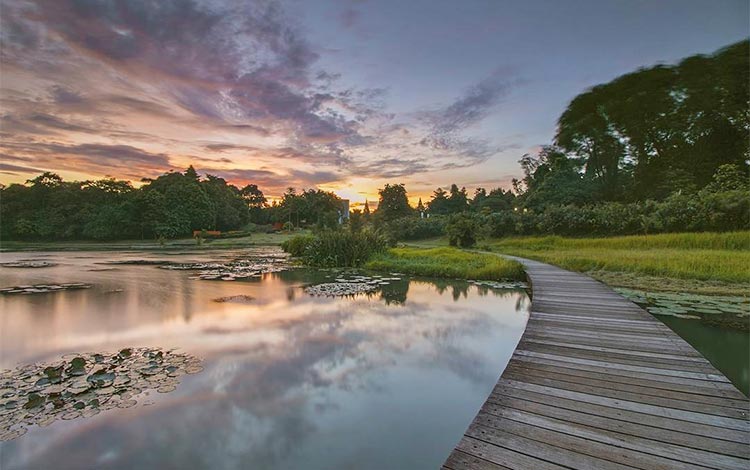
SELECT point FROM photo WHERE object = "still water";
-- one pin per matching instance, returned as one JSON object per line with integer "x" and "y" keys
{"x": 389, "y": 379}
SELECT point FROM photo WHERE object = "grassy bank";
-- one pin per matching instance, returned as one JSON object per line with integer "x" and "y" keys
{"x": 697, "y": 262}
{"x": 447, "y": 262}
{"x": 255, "y": 239}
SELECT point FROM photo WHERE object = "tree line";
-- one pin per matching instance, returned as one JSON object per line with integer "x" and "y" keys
{"x": 173, "y": 205}
{"x": 661, "y": 149}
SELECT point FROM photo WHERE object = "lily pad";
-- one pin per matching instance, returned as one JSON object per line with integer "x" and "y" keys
{"x": 82, "y": 385}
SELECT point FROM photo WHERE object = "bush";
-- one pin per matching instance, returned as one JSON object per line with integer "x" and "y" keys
{"x": 297, "y": 246}
{"x": 336, "y": 248}
{"x": 414, "y": 228}
{"x": 463, "y": 230}
{"x": 703, "y": 211}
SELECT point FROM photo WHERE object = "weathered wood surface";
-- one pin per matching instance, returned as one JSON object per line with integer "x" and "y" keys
{"x": 597, "y": 383}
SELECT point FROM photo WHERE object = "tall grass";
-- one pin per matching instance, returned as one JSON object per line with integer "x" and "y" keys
{"x": 704, "y": 240}
{"x": 704, "y": 256}
{"x": 336, "y": 248}
{"x": 447, "y": 262}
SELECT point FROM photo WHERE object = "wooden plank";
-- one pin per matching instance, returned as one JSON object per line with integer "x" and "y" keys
{"x": 598, "y": 383}
{"x": 690, "y": 416}
{"x": 463, "y": 461}
{"x": 619, "y": 358}
{"x": 625, "y": 393}
{"x": 628, "y": 352}
{"x": 643, "y": 369}
{"x": 644, "y": 385}
{"x": 722, "y": 389}
{"x": 634, "y": 451}
{"x": 546, "y": 447}
{"x": 503, "y": 456}
{"x": 697, "y": 430}
{"x": 499, "y": 403}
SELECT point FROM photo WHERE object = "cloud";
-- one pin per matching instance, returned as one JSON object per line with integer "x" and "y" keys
{"x": 237, "y": 80}
{"x": 94, "y": 158}
{"x": 349, "y": 17}
{"x": 15, "y": 169}
{"x": 473, "y": 106}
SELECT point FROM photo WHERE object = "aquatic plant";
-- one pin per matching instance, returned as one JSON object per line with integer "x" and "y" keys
{"x": 44, "y": 288}
{"x": 83, "y": 385}
{"x": 336, "y": 248}
{"x": 732, "y": 311}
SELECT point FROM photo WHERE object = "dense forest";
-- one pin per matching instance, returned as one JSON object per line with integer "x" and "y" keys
{"x": 172, "y": 205}
{"x": 661, "y": 149}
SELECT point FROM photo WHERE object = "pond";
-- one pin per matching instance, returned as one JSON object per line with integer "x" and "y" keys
{"x": 716, "y": 326}
{"x": 264, "y": 375}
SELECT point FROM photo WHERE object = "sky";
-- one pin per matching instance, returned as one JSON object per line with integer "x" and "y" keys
{"x": 343, "y": 95}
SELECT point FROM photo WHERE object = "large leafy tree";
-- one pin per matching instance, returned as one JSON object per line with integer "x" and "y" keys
{"x": 393, "y": 203}
{"x": 663, "y": 129}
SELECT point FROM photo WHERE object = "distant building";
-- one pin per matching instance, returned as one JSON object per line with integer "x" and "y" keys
{"x": 344, "y": 211}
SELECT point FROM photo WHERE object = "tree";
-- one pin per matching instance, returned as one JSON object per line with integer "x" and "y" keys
{"x": 438, "y": 205}
{"x": 463, "y": 230}
{"x": 256, "y": 202}
{"x": 420, "y": 208}
{"x": 230, "y": 210}
{"x": 356, "y": 220}
{"x": 366, "y": 211}
{"x": 658, "y": 130}
{"x": 458, "y": 201}
{"x": 393, "y": 203}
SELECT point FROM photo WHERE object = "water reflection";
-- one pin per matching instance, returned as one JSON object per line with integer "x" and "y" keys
{"x": 389, "y": 380}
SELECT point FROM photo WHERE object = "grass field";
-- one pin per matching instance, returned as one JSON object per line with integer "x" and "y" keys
{"x": 447, "y": 262}
{"x": 705, "y": 257}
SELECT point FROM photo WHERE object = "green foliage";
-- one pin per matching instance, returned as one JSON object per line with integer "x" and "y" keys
{"x": 172, "y": 205}
{"x": 704, "y": 211}
{"x": 393, "y": 203}
{"x": 336, "y": 248}
{"x": 297, "y": 245}
{"x": 463, "y": 230}
{"x": 447, "y": 262}
{"x": 656, "y": 131}
{"x": 311, "y": 208}
{"x": 356, "y": 220}
{"x": 414, "y": 228}
{"x": 442, "y": 203}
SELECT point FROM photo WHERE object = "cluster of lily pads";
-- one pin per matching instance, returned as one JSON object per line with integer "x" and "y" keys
{"x": 28, "y": 264}
{"x": 44, "y": 288}
{"x": 500, "y": 284}
{"x": 352, "y": 285}
{"x": 236, "y": 269}
{"x": 340, "y": 289}
{"x": 691, "y": 306}
{"x": 83, "y": 385}
{"x": 238, "y": 299}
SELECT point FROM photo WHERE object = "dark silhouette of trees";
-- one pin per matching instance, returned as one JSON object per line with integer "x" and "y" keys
{"x": 662, "y": 129}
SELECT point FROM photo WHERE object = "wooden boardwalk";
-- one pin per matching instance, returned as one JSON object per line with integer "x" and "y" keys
{"x": 597, "y": 383}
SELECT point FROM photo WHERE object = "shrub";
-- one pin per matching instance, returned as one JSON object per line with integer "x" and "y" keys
{"x": 463, "y": 230}
{"x": 336, "y": 248}
{"x": 296, "y": 246}
{"x": 703, "y": 211}
{"x": 414, "y": 228}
